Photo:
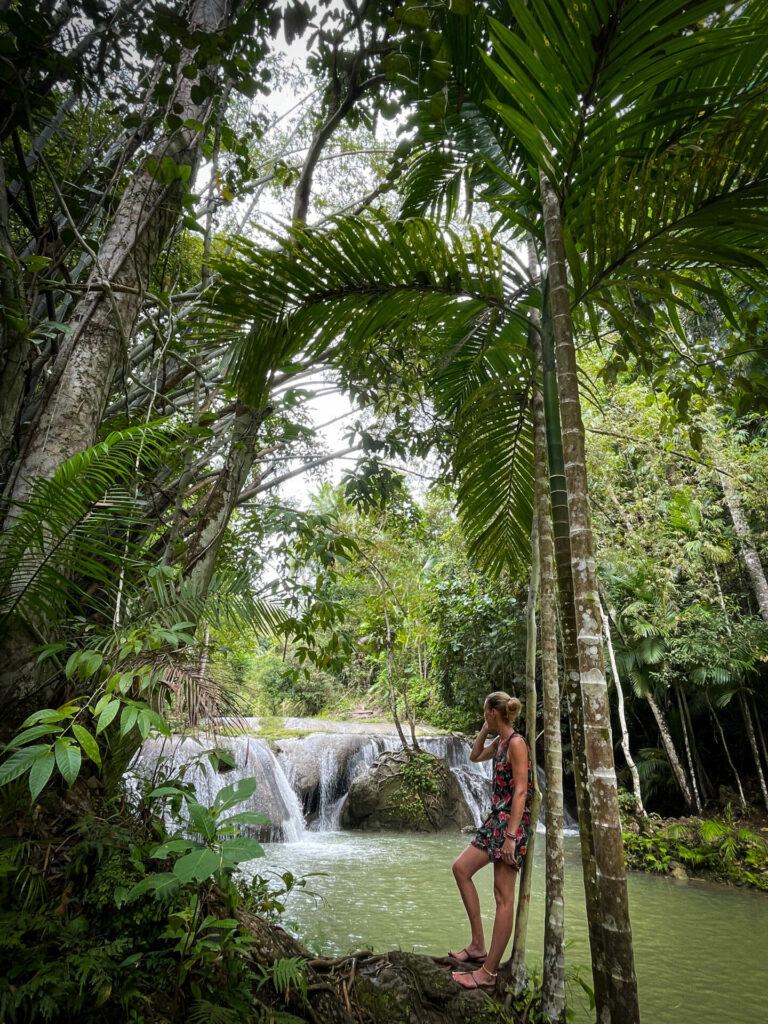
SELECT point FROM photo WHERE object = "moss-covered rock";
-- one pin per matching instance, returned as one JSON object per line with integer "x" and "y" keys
{"x": 407, "y": 792}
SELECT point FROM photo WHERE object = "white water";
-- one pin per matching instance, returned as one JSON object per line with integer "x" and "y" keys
{"x": 311, "y": 775}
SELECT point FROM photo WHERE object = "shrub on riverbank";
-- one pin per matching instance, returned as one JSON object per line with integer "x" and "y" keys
{"x": 721, "y": 848}
{"x": 108, "y": 916}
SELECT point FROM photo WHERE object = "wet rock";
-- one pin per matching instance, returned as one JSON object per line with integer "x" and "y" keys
{"x": 384, "y": 797}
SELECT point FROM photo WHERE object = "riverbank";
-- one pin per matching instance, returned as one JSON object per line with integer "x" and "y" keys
{"x": 722, "y": 848}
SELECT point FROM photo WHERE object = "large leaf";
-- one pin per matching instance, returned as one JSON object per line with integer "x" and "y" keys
{"x": 236, "y": 793}
{"x": 198, "y": 865}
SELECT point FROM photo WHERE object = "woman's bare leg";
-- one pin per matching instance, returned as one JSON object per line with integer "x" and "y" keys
{"x": 468, "y": 864}
{"x": 504, "y": 878}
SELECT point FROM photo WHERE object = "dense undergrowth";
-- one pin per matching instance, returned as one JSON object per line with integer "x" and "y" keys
{"x": 721, "y": 848}
{"x": 129, "y": 911}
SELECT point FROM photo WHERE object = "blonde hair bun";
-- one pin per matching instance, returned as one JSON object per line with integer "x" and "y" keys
{"x": 513, "y": 708}
{"x": 508, "y": 707}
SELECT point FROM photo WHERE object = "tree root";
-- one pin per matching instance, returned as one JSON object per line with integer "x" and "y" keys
{"x": 368, "y": 988}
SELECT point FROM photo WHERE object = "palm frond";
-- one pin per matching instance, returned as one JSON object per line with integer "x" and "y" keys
{"x": 74, "y": 530}
{"x": 361, "y": 279}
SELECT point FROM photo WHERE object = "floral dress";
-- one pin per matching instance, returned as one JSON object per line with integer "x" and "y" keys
{"x": 490, "y": 835}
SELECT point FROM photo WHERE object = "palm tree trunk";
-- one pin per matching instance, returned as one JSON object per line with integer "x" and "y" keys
{"x": 619, "y": 985}
{"x": 622, "y": 719}
{"x": 688, "y": 757}
{"x": 553, "y": 968}
{"x": 753, "y": 744}
{"x": 104, "y": 320}
{"x": 519, "y": 972}
{"x": 671, "y": 752}
{"x": 567, "y": 615}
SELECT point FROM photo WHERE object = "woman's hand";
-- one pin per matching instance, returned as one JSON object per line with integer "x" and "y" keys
{"x": 508, "y": 850}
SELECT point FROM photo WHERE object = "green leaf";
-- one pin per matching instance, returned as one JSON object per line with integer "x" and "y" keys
{"x": 198, "y": 865}
{"x": 172, "y": 846}
{"x": 108, "y": 713}
{"x": 88, "y": 743}
{"x": 163, "y": 885}
{"x": 68, "y": 759}
{"x": 245, "y": 818}
{"x": 240, "y": 849}
{"x": 31, "y": 734}
{"x": 128, "y": 719}
{"x": 21, "y": 761}
{"x": 234, "y": 794}
{"x": 201, "y": 819}
{"x": 40, "y": 772}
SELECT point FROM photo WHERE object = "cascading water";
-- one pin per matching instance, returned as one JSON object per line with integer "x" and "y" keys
{"x": 160, "y": 758}
{"x": 311, "y": 775}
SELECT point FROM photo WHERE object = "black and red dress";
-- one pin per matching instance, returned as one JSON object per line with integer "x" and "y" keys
{"x": 490, "y": 835}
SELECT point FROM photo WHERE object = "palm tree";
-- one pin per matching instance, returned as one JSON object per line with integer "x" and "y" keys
{"x": 633, "y": 151}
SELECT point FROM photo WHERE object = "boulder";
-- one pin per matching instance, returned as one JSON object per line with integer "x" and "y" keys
{"x": 405, "y": 794}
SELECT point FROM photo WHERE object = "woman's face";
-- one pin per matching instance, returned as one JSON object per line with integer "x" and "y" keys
{"x": 492, "y": 718}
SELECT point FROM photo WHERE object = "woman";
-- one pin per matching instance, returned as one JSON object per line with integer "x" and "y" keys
{"x": 501, "y": 840}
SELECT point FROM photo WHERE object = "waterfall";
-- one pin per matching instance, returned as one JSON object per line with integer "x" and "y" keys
{"x": 474, "y": 777}
{"x": 160, "y": 759}
{"x": 304, "y": 784}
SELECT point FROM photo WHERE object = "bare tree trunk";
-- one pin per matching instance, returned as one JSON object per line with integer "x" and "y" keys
{"x": 104, "y": 319}
{"x": 760, "y": 734}
{"x": 707, "y": 790}
{"x": 619, "y": 988}
{"x": 688, "y": 757}
{"x": 518, "y": 970}
{"x": 567, "y": 618}
{"x": 737, "y": 777}
{"x": 390, "y": 672}
{"x": 748, "y": 550}
{"x": 212, "y": 524}
{"x": 671, "y": 752}
{"x": 623, "y": 720}
{"x": 553, "y": 968}
{"x": 753, "y": 744}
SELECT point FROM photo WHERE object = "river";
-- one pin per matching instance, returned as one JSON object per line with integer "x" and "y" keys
{"x": 701, "y": 950}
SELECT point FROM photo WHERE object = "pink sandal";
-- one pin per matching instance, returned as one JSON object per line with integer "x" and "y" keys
{"x": 467, "y": 957}
{"x": 486, "y": 987}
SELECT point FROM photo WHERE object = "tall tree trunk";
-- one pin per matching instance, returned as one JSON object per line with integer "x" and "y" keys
{"x": 553, "y": 968}
{"x": 688, "y": 756}
{"x": 760, "y": 733}
{"x": 622, "y": 719}
{"x": 14, "y": 334}
{"x": 749, "y": 551}
{"x": 518, "y": 970}
{"x": 671, "y": 752}
{"x": 204, "y": 548}
{"x": 736, "y": 776}
{"x": 619, "y": 987}
{"x": 753, "y": 744}
{"x": 707, "y": 790}
{"x": 104, "y": 319}
{"x": 567, "y": 614}
{"x": 390, "y": 668}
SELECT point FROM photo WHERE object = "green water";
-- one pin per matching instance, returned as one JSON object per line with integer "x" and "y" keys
{"x": 701, "y": 950}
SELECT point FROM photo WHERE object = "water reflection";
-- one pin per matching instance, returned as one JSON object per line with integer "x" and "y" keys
{"x": 701, "y": 950}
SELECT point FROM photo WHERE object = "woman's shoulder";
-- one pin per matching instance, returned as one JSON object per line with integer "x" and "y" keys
{"x": 517, "y": 738}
